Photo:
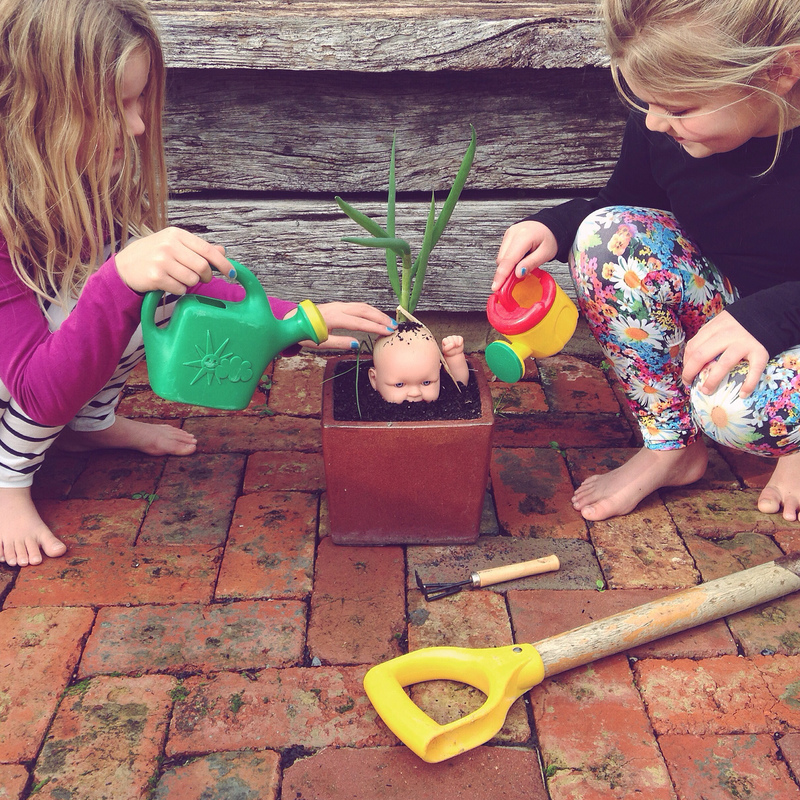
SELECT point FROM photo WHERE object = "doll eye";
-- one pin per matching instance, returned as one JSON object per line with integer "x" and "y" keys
{"x": 426, "y": 383}
{"x": 399, "y": 385}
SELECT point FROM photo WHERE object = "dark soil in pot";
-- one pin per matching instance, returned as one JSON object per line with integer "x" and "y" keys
{"x": 371, "y": 407}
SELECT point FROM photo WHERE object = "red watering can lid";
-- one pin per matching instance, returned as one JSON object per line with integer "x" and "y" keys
{"x": 504, "y": 311}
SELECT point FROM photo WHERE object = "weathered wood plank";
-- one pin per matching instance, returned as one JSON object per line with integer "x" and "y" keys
{"x": 270, "y": 131}
{"x": 353, "y": 35}
{"x": 295, "y": 248}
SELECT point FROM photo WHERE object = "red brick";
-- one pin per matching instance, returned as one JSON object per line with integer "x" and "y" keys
{"x": 643, "y": 550}
{"x": 723, "y": 767}
{"x": 713, "y": 514}
{"x": 358, "y": 604}
{"x": 297, "y": 384}
{"x": 58, "y": 473}
{"x": 517, "y": 398}
{"x": 395, "y": 773}
{"x": 270, "y": 548}
{"x": 245, "y": 775}
{"x": 721, "y": 695}
{"x": 195, "y": 638}
{"x": 275, "y": 709}
{"x": 595, "y": 736}
{"x": 232, "y": 434}
{"x": 789, "y": 745}
{"x": 532, "y": 494}
{"x": 195, "y": 500}
{"x": 540, "y": 614}
{"x": 573, "y": 385}
{"x": 720, "y": 557}
{"x": 567, "y": 430}
{"x": 285, "y": 471}
{"x": 101, "y": 523}
{"x": 106, "y": 739}
{"x": 467, "y": 619}
{"x": 754, "y": 471}
{"x": 13, "y": 780}
{"x": 40, "y": 649}
{"x": 118, "y": 474}
{"x": 91, "y": 576}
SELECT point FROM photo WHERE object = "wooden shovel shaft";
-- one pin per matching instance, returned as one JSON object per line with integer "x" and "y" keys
{"x": 489, "y": 577}
{"x": 672, "y": 614}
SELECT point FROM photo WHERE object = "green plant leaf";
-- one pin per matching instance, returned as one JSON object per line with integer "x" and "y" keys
{"x": 391, "y": 256}
{"x": 455, "y": 191}
{"x": 363, "y": 220}
{"x": 421, "y": 264}
{"x": 398, "y": 246}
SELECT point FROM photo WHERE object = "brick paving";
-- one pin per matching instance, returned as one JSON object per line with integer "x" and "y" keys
{"x": 204, "y": 638}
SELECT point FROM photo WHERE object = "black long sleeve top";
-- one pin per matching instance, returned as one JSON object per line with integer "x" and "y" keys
{"x": 745, "y": 222}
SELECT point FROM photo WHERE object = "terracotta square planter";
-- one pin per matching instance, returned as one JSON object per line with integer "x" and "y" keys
{"x": 406, "y": 482}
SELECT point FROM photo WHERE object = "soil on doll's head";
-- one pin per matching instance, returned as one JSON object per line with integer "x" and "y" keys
{"x": 451, "y": 404}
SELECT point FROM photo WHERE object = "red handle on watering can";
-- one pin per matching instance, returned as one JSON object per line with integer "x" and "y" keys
{"x": 510, "y": 318}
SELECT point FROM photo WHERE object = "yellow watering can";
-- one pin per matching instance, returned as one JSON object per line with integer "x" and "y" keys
{"x": 504, "y": 674}
{"x": 213, "y": 352}
{"x": 537, "y": 318}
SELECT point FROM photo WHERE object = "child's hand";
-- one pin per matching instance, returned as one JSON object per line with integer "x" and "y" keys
{"x": 352, "y": 317}
{"x": 452, "y": 346}
{"x": 723, "y": 336}
{"x": 525, "y": 246}
{"x": 170, "y": 260}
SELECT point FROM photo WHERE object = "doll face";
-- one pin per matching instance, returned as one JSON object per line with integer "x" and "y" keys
{"x": 406, "y": 367}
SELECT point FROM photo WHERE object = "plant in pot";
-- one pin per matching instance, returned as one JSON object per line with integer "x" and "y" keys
{"x": 403, "y": 472}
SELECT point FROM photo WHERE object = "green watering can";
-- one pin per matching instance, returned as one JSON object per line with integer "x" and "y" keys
{"x": 213, "y": 352}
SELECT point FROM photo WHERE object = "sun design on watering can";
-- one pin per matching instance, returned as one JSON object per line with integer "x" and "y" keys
{"x": 216, "y": 364}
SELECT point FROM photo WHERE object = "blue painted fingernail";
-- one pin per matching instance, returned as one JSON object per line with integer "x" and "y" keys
{"x": 232, "y": 273}
{"x": 354, "y": 345}
{"x": 523, "y": 271}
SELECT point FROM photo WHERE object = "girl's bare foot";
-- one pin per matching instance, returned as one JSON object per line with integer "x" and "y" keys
{"x": 783, "y": 489}
{"x": 618, "y": 492}
{"x": 131, "y": 434}
{"x": 23, "y": 535}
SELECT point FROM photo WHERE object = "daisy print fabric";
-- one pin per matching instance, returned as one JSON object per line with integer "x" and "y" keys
{"x": 645, "y": 290}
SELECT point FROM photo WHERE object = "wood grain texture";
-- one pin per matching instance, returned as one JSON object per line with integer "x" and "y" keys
{"x": 287, "y": 132}
{"x": 295, "y": 248}
{"x": 378, "y": 37}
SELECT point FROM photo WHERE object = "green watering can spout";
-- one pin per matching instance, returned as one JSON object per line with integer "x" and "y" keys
{"x": 213, "y": 352}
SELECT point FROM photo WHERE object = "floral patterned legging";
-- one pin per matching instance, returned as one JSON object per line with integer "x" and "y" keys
{"x": 645, "y": 290}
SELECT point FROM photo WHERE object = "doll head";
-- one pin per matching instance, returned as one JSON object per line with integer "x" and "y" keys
{"x": 406, "y": 365}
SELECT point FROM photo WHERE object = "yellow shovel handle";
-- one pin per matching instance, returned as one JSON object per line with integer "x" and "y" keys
{"x": 502, "y": 673}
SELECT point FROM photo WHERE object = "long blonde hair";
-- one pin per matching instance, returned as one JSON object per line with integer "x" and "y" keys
{"x": 61, "y": 69}
{"x": 701, "y": 46}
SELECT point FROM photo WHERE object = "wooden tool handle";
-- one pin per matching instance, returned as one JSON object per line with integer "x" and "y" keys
{"x": 488, "y": 577}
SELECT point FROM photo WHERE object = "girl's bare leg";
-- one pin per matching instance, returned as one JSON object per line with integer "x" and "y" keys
{"x": 23, "y": 534}
{"x": 131, "y": 434}
{"x": 783, "y": 489}
{"x": 618, "y": 492}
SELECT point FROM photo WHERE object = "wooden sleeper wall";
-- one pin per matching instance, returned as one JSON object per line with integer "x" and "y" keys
{"x": 274, "y": 108}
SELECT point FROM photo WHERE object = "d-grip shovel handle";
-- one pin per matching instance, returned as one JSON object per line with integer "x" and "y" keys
{"x": 505, "y": 673}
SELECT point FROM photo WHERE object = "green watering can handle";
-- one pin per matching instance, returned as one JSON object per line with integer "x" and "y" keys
{"x": 254, "y": 296}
